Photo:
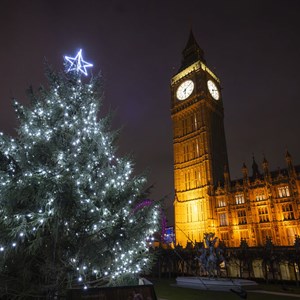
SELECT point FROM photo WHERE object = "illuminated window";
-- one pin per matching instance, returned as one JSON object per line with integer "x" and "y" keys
{"x": 239, "y": 199}
{"x": 224, "y": 237}
{"x": 194, "y": 150}
{"x": 195, "y": 214}
{"x": 223, "y": 219}
{"x": 263, "y": 214}
{"x": 242, "y": 216}
{"x": 187, "y": 179}
{"x": 197, "y": 147}
{"x": 260, "y": 196}
{"x": 265, "y": 233}
{"x": 195, "y": 122}
{"x": 197, "y": 178}
{"x": 287, "y": 211}
{"x": 189, "y": 213}
{"x": 185, "y": 152}
{"x": 221, "y": 202}
{"x": 291, "y": 233}
{"x": 192, "y": 214}
{"x": 244, "y": 234}
{"x": 201, "y": 211}
{"x": 184, "y": 125}
{"x": 203, "y": 146}
{"x": 283, "y": 191}
{"x": 192, "y": 124}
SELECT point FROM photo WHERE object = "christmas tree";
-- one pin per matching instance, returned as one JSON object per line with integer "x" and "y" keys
{"x": 71, "y": 212}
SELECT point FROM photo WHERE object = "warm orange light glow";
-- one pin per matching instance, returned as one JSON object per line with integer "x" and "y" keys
{"x": 255, "y": 207}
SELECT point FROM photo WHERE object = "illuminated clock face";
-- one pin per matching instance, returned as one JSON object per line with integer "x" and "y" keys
{"x": 213, "y": 90}
{"x": 185, "y": 90}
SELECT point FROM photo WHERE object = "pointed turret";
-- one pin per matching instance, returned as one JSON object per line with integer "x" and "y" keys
{"x": 255, "y": 170}
{"x": 288, "y": 158}
{"x": 265, "y": 165}
{"x": 289, "y": 162}
{"x": 245, "y": 174}
{"x": 226, "y": 178}
{"x": 244, "y": 170}
{"x": 191, "y": 53}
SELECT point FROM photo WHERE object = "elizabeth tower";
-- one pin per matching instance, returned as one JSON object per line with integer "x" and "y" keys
{"x": 200, "y": 153}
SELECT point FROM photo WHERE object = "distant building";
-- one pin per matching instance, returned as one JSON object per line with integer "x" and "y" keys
{"x": 259, "y": 205}
{"x": 169, "y": 236}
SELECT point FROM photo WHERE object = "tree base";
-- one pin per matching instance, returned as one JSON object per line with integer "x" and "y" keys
{"x": 135, "y": 292}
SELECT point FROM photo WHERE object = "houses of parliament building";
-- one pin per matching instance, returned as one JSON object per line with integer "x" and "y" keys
{"x": 262, "y": 204}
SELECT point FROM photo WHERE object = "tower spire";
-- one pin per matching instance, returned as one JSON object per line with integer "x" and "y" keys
{"x": 245, "y": 174}
{"x": 289, "y": 162}
{"x": 265, "y": 166}
{"x": 255, "y": 170}
{"x": 191, "y": 53}
{"x": 226, "y": 177}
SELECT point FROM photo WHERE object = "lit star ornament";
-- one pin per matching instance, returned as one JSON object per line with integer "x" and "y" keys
{"x": 77, "y": 64}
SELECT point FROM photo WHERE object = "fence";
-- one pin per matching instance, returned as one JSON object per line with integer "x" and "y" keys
{"x": 265, "y": 263}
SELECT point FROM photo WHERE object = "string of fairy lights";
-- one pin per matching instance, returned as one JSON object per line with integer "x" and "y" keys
{"x": 70, "y": 121}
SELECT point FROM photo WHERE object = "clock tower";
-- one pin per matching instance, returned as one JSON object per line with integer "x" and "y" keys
{"x": 200, "y": 153}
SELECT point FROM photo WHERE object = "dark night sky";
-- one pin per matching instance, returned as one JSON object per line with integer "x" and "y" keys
{"x": 253, "y": 46}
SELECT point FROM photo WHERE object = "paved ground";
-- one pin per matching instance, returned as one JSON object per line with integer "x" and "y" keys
{"x": 272, "y": 293}
{"x": 166, "y": 289}
{"x": 262, "y": 292}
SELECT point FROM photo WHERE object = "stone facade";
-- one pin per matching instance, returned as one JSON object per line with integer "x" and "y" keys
{"x": 259, "y": 205}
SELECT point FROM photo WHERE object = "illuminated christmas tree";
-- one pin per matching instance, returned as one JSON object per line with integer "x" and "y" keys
{"x": 71, "y": 212}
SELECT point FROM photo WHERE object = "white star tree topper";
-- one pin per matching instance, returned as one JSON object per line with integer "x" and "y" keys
{"x": 77, "y": 63}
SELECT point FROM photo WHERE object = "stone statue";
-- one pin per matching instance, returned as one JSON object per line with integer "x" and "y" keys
{"x": 211, "y": 255}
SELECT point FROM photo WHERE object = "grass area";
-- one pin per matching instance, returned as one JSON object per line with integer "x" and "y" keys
{"x": 166, "y": 289}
